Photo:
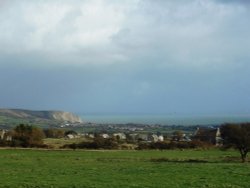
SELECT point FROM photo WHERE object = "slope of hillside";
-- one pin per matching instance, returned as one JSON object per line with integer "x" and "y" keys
{"x": 40, "y": 115}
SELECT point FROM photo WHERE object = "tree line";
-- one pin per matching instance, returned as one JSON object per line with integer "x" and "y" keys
{"x": 25, "y": 135}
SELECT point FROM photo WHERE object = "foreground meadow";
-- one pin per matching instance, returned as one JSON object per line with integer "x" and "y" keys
{"x": 144, "y": 169}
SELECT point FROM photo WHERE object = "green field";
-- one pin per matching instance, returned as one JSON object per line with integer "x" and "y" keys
{"x": 117, "y": 169}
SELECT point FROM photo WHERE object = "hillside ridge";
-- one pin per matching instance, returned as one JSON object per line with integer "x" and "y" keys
{"x": 44, "y": 114}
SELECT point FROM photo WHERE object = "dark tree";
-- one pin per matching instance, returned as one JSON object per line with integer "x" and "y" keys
{"x": 237, "y": 136}
{"x": 54, "y": 133}
{"x": 27, "y": 136}
{"x": 178, "y": 135}
{"x": 70, "y": 132}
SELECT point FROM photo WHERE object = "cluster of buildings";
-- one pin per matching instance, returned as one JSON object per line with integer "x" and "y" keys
{"x": 204, "y": 134}
{"x": 122, "y": 136}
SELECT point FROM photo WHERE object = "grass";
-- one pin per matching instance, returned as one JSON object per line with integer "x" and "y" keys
{"x": 8, "y": 122}
{"x": 57, "y": 143}
{"x": 112, "y": 169}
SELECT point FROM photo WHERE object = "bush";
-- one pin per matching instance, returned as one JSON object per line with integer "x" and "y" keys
{"x": 27, "y": 136}
{"x": 4, "y": 143}
{"x": 97, "y": 143}
{"x": 173, "y": 145}
{"x": 70, "y": 132}
{"x": 54, "y": 133}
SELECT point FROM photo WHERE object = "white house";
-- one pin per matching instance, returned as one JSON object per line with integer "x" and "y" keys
{"x": 104, "y": 135}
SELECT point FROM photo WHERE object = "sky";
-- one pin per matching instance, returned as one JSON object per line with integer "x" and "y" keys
{"x": 126, "y": 57}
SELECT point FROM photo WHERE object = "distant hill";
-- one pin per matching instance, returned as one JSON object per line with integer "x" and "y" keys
{"x": 59, "y": 116}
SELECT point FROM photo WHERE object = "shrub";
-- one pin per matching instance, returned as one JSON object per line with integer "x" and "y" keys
{"x": 97, "y": 143}
{"x": 54, "y": 133}
{"x": 173, "y": 145}
{"x": 27, "y": 136}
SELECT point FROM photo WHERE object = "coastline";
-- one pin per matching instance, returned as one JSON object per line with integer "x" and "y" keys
{"x": 165, "y": 119}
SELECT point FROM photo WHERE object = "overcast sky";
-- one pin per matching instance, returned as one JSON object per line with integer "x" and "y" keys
{"x": 126, "y": 57}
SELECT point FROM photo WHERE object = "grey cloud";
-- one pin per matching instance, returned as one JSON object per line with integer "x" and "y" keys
{"x": 204, "y": 32}
{"x": 244, "y": 2}
{"x": 156, "y": 57}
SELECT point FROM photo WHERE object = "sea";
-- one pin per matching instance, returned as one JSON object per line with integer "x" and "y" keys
{"x": 166, "y": 119}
